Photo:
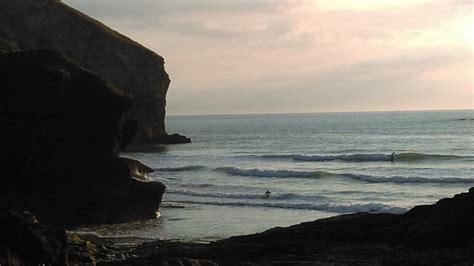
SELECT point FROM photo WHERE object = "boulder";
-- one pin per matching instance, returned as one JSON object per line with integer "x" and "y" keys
{"x": 26, "y": 242}
{"x": 63, "y": 128}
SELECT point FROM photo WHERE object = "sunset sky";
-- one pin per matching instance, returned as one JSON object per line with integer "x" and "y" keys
{"x": 270, "y": 56}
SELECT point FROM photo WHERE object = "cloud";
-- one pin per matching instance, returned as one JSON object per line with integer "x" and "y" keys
{"x": 285, "y": 56}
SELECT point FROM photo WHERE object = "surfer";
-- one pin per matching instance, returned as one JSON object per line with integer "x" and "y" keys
{"x": 267, "y": 195}
{"x": 392, "y": 157}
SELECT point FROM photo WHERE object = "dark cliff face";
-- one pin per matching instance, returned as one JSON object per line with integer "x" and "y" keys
{"x": 126, "y": 64}
{"x": 63, "y": 127}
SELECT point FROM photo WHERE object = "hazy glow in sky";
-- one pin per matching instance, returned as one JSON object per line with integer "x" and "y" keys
{"x": 265, "y": 56}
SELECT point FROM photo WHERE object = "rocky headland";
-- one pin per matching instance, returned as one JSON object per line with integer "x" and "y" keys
{"x": 126, "y": 64}
{"x": 65, "y": 128}
{"x": 72, "y": 100}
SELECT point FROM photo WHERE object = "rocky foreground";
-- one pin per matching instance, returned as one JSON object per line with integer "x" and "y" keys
{"x": 439, "y": 234}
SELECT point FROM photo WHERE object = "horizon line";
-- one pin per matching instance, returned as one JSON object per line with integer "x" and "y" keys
{"x": 322, "y": 112}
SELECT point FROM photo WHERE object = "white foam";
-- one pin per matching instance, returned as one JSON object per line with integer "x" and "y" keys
{"x": 214, "y": 194}
{"x": 329, "y": 207}
{"x": 257, "y": 172}
{"x": 274, "y": 196}
{"x": 364, "y": 157}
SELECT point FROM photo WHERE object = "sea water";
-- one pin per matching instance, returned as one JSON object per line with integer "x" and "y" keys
{"x": 315, "y": 166}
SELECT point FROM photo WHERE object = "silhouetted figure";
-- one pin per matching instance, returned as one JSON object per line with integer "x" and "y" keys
{"x": 392, "y": 157}
{"x": 267, "y": 195}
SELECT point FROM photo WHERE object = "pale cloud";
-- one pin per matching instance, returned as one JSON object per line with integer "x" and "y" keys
{"x": 243, "y": 56}
{"x": 362, "y": 5}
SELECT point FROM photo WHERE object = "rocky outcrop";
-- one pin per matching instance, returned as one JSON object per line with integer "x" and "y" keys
{"x": 126, "y": 64}
{"x": 63, "y": 128}
{"x": 172, "y": 139}
{"x": 24, "y": 241}
{"x": 137, "y": 169}
{"x": 439, "y": 234}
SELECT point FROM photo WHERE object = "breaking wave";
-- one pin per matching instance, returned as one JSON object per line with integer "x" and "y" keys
{"x": 329, "y": 207}
{"x": 256, "y": 172}
{"x": 369, "y": 157}
{"x": 274, "y": 196}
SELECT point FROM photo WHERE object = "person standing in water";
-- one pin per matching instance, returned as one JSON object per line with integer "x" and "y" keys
{"x": 392, "y": 157}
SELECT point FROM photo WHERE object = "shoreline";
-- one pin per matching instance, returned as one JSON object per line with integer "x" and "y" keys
{"x": 174, "y": 224}
{"x": 435, "y": 234}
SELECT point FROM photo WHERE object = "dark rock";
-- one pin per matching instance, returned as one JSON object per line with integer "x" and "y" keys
{"x": 129, "y": 131}
{"x": 126, "y": 64}
{"x": 6, "y": 44}
{"x": 81, "y": 252}
{"x": 446, "y": 224}
{"x": 64, "y": 127}
{"x": 137, "y": 169}
{"x": 24, "y": 241}
{"x": 171, "y": 139}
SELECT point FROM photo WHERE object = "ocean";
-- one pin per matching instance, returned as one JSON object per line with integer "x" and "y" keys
{"x": 315, "y": 166}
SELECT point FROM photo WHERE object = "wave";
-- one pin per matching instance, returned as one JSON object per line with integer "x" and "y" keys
{"x": 408, "y": 156}
{"x": 274, "y": 196}
{"x": 410, "y": 179}
{"x": 256, "y": 172}
{"x": 329, "y": 207}
{"x": 172, "y": 206}
{"x": 198, "y": 185}
{"x": 413, "y": 156}
{"x": 180, "y": 168}
{"x": 363, "y": 157}
{"x": 343, "y": 157}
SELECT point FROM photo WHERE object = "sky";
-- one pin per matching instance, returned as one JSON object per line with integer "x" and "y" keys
{"x": 299, "y": 56}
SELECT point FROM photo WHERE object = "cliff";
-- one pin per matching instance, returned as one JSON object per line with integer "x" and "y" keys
{"x": 62, "y": 130}
{"x": 126, "y": 64}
